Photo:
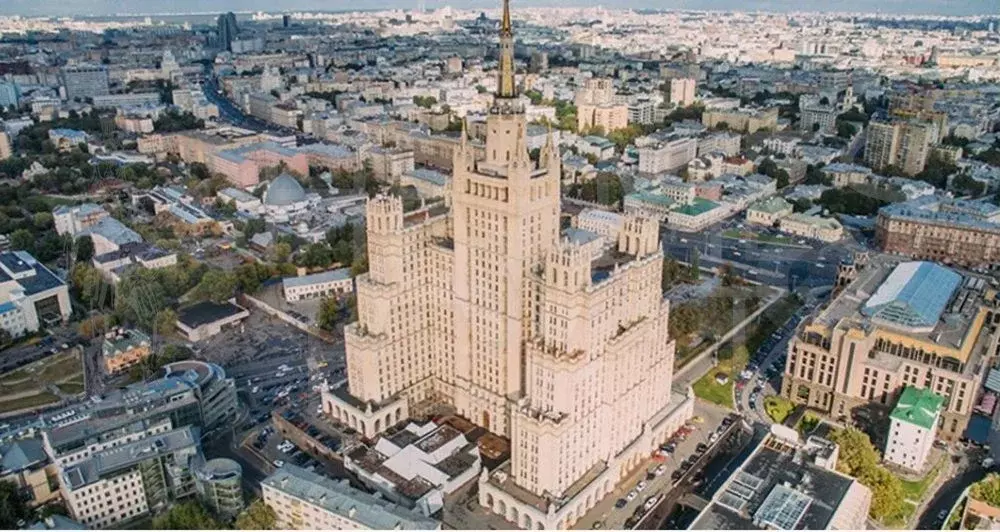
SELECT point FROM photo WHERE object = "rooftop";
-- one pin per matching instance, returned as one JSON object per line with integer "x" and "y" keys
{"x": 121, "y": 457}
{"x": 207, "y": 312}
{"x": 341, "y": 274}
{"x": 340, "y": 498}
{"x": 697, "y": 207}
{"x": 918, "y": 406}
{"x": 772, "y": 205}
{"x": 646, "y": 197}
{"x": 914, "y": 295}
{"x": 780, "y": 487}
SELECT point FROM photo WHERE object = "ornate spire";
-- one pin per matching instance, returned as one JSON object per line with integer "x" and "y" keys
{"x": 505, "y": 83}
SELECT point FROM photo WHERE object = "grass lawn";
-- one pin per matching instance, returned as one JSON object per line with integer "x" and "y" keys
{"x": 70, "y": 387}
{"x": 11, "y": 387}
{"x": 731, "y": 363}
{"x": 807, "y": 423}
{"x": 914, "y": 490}
{"x": 31, "y": 401}
{"x": 60, "y": 367}
{"x": 778, "y": 408}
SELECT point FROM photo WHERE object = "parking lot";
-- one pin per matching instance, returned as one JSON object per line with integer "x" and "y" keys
{"x": 627, "y": 504}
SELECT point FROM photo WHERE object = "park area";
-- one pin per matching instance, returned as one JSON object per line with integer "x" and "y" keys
{"x": 42, "y": 383}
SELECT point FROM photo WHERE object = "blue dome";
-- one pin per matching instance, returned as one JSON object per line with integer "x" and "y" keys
{"x": 284, "y": 190}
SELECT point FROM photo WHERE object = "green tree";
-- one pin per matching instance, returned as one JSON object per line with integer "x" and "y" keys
{"x": 42, "y": 220}
{"x": 216, "y": 285}
{"x": 254, "y": 226}
{"x": 257, "y": 516}
{"x": 846, "y": 130}
{"x": 987, "y": 490}
{"x": 887, "y": 493}
{"x": 188, "y": 515}
{"x": 425, "y": 101}
{"x": 328, "y": 313}
{"x": 165, "y": 321}
{"x": 14, "y": 509}
{"x": 22, "y": 240}
{"x": 84, "y": 248}
{"x": 695, "y": 264}
{"x": 139, "y": 296}
{"x": 856, "y": 451}
{"x": 316, "y": 255}
{"x": 280, "y": 252}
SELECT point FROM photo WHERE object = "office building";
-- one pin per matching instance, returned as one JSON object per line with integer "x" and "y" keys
{"x": 84, "y": 81}
{"x": 948, "y": 230}
{"x": 127, "y": 482}
{"x": 913, "y": 324}
{"x": 227, "y": 30}
{"x": 912, "y": 427}
{"x": 487, "y": 308}
{"x": 788, "y": 484}
{"x": 31, "y": 296}
{"x": 307, "y": 501}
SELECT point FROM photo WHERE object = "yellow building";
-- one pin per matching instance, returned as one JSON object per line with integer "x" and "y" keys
{"x": 123, "y": 349}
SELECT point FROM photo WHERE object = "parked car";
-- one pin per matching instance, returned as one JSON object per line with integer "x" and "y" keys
{"x": 660, "y": 469}
{"x": 632, "y": 495}
{"x": 641, "y": 485}
{"x": 621, "y": 503}
{"x": 651, "y": 502}
{"x": 279, "y": 463}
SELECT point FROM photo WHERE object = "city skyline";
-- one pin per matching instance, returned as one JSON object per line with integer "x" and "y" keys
{"x": 102, "y": 8}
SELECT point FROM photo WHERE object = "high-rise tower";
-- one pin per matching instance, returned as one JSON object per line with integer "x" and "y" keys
{"x": 558, "y": 341}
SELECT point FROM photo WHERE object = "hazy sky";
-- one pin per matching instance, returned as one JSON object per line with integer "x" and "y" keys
{"x": 111, "y": 7}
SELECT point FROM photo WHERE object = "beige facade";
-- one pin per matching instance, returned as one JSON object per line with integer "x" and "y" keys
{"x": 904, "y": 145}
{"x": 595, "y": 107}
{"x": 388, "y": 164}
{"x": 682, "y": 91}
{"x": 840, "y": 359}
{"x": 5, "y": 148}
{"x": 815, "y": 227}
{"x": 743, "y": 120}
{"x": 950, "y": 231}
{"x": 486, "y": 309}
{"x": 767, "y": 212}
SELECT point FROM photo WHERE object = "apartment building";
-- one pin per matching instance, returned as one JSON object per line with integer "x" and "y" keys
{"x": 304, "y": 500}
{"x": 899, "y": 144}
{"x": 682, "y": 91}
{"x": 388, "y": 164}
{"x": 895, "y": 325}
{"x": 84, "y": 81}
{"x": 948, "y": 230}
{"x": 596, "y": 107}
{"x": 724, "y": 142}
{"x": 6, "y": 150}
{"x": 742, "y": 120}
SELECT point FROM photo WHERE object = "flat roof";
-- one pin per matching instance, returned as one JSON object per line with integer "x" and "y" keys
{"x": 340, "y": 274}
{"x": 340, "y": 498}
{"x": 697, "y": 207}
{"x": 207, "y": 312}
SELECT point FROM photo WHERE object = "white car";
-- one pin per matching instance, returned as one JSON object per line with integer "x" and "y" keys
{"x": 660, "y": 469}
{"x": 632, "y": 495}
{"x": 640, "y": 486}
{"x": 279, "y": 463}
{"x": 651, "y": 502}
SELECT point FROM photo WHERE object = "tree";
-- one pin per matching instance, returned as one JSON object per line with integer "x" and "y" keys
{"x": 316, "y": 255}
{"x": 987, "y": 490}
{"x": 14, "y": 509}
{"x": 42, "y": 220}
{"x": 695, "y": 264}
{"x": 328, "y": 313}
{"x": 887, "y": 493}
{"x": 257, "y": 516}
{"x": 186, "y": 516}
{"x": 424, "y": 101}
{"x": 216, "y": 285}
{"x": 22, "y": 240}
{"x": 280, "y": 252}
{"x": 846, "y": 130}
{"x": 84, "y": 248}
{"x": 254, "y": 226}
{"x": 856, "y": 451}
{"x": 174, "y": 121}
{"x": 165, "y": 321}
{"x": 859, "y": 459}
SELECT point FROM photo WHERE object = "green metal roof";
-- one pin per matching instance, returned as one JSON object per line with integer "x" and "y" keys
{"x": 696, "y": 207}
{"x": 647, "y": 197}
{"x": 918, "y": 406}
{"x": 771, "y": 205}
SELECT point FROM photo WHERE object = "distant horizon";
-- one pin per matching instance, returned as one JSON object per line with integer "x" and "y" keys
{"x": 125, "y": 8}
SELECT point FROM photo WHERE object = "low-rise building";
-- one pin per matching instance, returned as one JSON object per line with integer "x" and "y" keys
{"x": 305, "y": 500}
{"x": 605, "y": 223}
{"x": 429, "y": 183}
{"x": 912, "y": 426}
{"x": 769, "y": 211}
{"x": 203, "y": 320}
{"x": 649, "y": 205}
{"x": 742, "y": 120}
{"x": 124, "y": 348}
{"x": 810, "y": 226}
{"x": 844, "y": 174}
{"x": 242, "y": 201}
{"x": 668, "y": 155}
{"x": 23, "y": 462}
{"x": 697, "y": 215}
{"x": 388, "y": 164}
{"x": 333, "y": 283}
{"x": 787, "y": 484}
{"x": 938, "y": 228}
{"x": 418, "y": 466}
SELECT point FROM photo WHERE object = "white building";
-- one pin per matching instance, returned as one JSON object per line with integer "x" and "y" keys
{"x": 285, "y": 199}
{"x": 815, "y": 227}
{"x": 306, "y": 501}
{"x": 668, "y": 155}
{"x": 697, "y": 215}
{"x": 324, "y": 284}
{"x": 912, "y": 427}
{"x": 605, "y": 223}
{"x": 243, "y": 201}
{"x": 722, "y": 142}
{"x": 30, "y": 294}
